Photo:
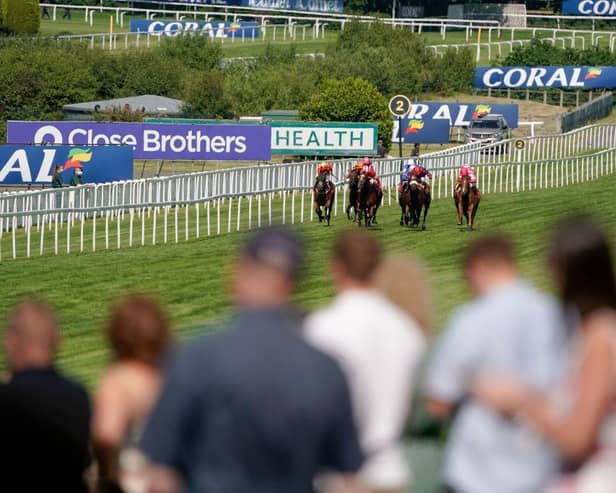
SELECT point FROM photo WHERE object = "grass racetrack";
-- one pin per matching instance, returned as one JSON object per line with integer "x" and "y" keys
{"x": 190, "y": 277}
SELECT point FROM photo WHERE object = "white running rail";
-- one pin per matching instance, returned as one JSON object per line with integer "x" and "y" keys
{"x": 165, "y": 209}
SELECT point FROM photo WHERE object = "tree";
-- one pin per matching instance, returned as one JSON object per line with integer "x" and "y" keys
{"x": 349, "y": 100}
{"x": 20, "y": 16}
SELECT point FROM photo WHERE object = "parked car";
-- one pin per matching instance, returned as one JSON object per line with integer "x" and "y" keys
{"x": 489, "y": 129}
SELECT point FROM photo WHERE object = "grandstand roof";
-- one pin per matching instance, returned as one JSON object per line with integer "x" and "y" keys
{"x": 150, "y": 104}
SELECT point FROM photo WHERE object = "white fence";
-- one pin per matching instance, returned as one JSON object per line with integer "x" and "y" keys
{"x": 165, "y": 209}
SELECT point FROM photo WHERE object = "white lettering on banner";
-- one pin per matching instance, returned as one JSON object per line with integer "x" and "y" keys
{"x": 193, "y": 142}
{"x": 160, "y": 28}
{"x": 418, "y": 111}
{"x": 270, "y": 4}
{"x": 47, "y": 131}
{"x": 17, "y": 163}
{"x": 323, "y": 138}
{"x": 600, "y": 7}
{"x": 45, "y": 172}
{"x": 533, "y": 77}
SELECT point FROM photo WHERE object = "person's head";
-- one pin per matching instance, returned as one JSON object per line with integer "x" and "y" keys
{"x": 356, "y": 256}
{"x": 464, "y": 171}
{"x": 31, "y": 337}
{"x": 59, "y": 168}
{"x": 581, "y": 260}
{"x": 138, "y": 330}
{"x": 78, "y": 171}
{"x": 367, "y": 161}
{"x": 380, "y": 142}
{"x": 489, "y": 262}
{"x": 399, "y": 275}
{"x": 267, "y": 269}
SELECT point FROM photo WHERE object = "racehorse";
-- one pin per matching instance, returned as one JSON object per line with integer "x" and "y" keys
{"x": 420, "y": 199}
{"x": 368, "y": 200}
{"x": 404, "y": 199}
{"x": 466, "y": 199}
{"x": 324, "y": 194}
{"x": 353, "y": 178}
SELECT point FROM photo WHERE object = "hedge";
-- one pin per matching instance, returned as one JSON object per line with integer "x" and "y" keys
{"x": 20, "y": 16}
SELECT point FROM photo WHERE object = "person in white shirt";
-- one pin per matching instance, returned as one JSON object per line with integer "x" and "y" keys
{"x": 378, "y": 347}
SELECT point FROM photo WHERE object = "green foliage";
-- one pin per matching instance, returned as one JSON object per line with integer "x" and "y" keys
{"x": 120, "y": 114}
{"x": 351, "y": 100}
{"x": 545, "y": 53}
{"x": 204, "y": 96}
{"x": 196, "y": 52}
{"x": 20, "y": 16}
{"x": 396, "y": 61}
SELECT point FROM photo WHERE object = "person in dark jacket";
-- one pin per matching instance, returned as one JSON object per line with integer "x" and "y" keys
{"x": 44, "y": 416}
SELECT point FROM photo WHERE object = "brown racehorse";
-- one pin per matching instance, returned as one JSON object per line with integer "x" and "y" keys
{"x": 420, "y": 199}
{"x": 404, "y": 199}
{"x": 353, "y": 177}
{"x": 368, "y": 200}
{"x": 466, "y": 199}
{"x": 324, "y": 194}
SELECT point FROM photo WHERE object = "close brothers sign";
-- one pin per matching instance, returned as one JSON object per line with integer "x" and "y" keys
{"x": 548, "y": 77}
{"x": 153, "y": 141}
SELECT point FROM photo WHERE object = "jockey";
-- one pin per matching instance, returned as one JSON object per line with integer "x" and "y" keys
{"x": 408, "y": 165}
{"x": 468, "y": 170}
{"x": 324, "y": 169}
{"x": 422, "y": 175}
{"x": 370, "y": 172}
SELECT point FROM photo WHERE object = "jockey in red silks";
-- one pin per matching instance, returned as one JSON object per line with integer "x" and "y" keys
{"x": 468, "y": 170}
{"x": 324, "y": 169}
{"x": 422, "y": 176}
{"x": 370, "y": 172}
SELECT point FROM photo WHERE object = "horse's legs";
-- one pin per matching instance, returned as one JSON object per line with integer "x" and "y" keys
{"x": 317, "y": 209}
{"x": 426, "y": 207}
{"x": 460, "y": 206}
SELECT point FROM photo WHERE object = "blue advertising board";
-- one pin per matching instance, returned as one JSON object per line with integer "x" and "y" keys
{"x": 598, "y": 8}
{"x": 152, "y": 140}
{"x": 418, "y": 131}
{"x": 548, "y": 77}
{"x": 25, "y": 164}
{"x": 212, "y": 29}
{"x": 461, "y": 114}
{"x": 304, "y": 5}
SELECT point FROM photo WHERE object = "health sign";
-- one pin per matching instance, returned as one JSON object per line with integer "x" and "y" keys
{"x": 327, "y": 139}
{"x": 461, "y": 114}
{"x": 549, "y": 77}
{"x": 598, "y": 8}
{"x": 200, "y": 28}
{"x": 153, "y": 141}
{"x": 27, "y": 164}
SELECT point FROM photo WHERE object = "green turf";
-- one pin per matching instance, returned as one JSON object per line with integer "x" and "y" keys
{"x": 191, "y": 277}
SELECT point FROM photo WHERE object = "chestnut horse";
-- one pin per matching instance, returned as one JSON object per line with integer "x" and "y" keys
{"x": 368, "y": 200}
{"x": 420, "y": 199}
{"x": 324, "y": 194}
{"x": 353, "y": 177}
{"x": 466, "y": 199}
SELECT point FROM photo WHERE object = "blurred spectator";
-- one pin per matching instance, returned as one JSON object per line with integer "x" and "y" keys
{"x": 509, "y": 328}
{"x": 378, "y": 347}
{"x": 56, "y": 179}
{"x": 77, "y": 178}
{"x": 45, "y": 7}
{"x": 67, "y": 10}
{"x": 581, "y": 418}
{"x": 416, "y": 150}
{"x": 44, "y": 417}
{"x": 399, "y": 275}
{"x": 253, "y": 408}
{"x": 138, "y": 333}
{"x": 381, "y": 149}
